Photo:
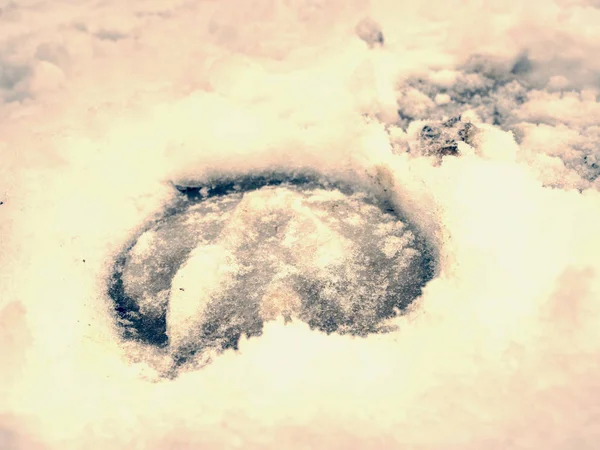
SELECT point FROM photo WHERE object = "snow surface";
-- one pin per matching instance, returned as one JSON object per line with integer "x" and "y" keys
{"x": 480, "y": 121}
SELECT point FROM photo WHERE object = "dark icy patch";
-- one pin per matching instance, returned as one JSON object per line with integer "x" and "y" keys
{"x": 493, "y": 90}
{"x": 591, "y": 166}
{"x": 370, "y": 32}
{"x": 220, "y": 186}
{"x": 133, "y": 324}
{"x": 522, "y": 65}
{"x": 441, "y": 139}
{"x": 584, "y": 159}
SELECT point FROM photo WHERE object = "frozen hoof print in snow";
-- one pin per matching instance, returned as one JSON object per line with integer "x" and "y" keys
{"x": 235, "y": 253}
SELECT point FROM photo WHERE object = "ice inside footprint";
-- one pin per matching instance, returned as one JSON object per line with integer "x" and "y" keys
{"x": 198, "y": 279}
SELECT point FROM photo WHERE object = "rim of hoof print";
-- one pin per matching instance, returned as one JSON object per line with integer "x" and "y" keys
{"x": 233, "y": 252}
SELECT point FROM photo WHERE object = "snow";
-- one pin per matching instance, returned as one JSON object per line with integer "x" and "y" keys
{"x": 479, "y": 123}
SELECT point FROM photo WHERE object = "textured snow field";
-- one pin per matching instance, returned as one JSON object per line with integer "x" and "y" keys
{"x": 105, "y": 105}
